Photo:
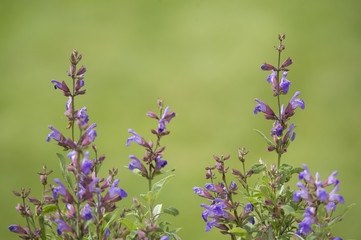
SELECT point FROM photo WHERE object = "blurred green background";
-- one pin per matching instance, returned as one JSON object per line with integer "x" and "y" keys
{"x": 203, "y": 58}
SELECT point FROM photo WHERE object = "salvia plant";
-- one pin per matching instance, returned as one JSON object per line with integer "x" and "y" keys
{"x": 83, "y": 204}
{"x": 257, "y": 202}
{"x": 249, "y": 202}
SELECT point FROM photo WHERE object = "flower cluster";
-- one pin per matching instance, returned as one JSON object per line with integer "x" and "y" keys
{"x": 223, "y": 209}
{"x": 281, "y": 136}
{"x": 271, "y": 209}
{"x": 314, "y": 193}
{"x": 151, "y": 165}
{"x": 80, "y": 202}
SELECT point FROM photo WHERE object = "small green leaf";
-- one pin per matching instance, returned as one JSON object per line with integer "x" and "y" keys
{"x": 64, "y": 171}
{"x": 128, "y": 224}
{"x": 48, "y": 209}
{"x": 269, "y": 142}
{"x": 172, "y": 211}
{"x": 115, "y": 216}
{"x": 157, "y": 210}
{"x": 239, "y": 232}
{"x": 257, "y": 168}
{"x": 149, "y": 197}
{"x": 288, "y": 210}
{"x": 158, "y": 186}
{"x": 266, "y": 192}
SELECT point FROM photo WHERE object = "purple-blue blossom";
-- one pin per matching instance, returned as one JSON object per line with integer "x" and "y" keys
{"x": 90, "y": 135}
{"x": 62, "y": 226}
{"x": 248, "y": 208}
{"x": 160, "y": 163}
{"x": 303, "y": 193}
{"x": 55, "y": 134}
{"x": 86, "y": 212}
{"x": 136, "y": 138}
{"x": 17, "y": 229}
{"x": 61, "y": 189}
{"x": 202, "y": 192}
{"x": 113, "y": 190}
{"x": 165, "y": 119}
{"x": 284, "y": 83}
{"x": 277, "y": 129}
{"x": 336, "y": 197}
{"x": 86, "y": 164}
{"x": 83, "y": 116}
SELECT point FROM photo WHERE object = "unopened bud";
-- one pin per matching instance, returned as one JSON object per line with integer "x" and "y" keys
{"x": 216, "y": 158}
{"x": 43, "y": 179}
{"x": 227, "y": 157}
{"x": 150, "y": 143}
{"x": 154, "y": 131}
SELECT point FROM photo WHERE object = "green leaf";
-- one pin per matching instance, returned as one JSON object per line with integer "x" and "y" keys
{"x": 288, "y": 210}
{"x": 149, "y": 197}
{"x": 157, "y": 210}
{"x": 64, "y": 171}
{"x": 163, "y": 172}
{"x": 258, "y": 167}
{"x": 128, "y": 224}
{"x": 42, "y": 227}
{"x": 266, "y": 192}
{"x": 115, "y": 216}
{"x": 239, "y": 232}
{"x": 269, "y": 142}
{"x": 172, "y": 211}
{"x": 48, "y": 209}
{"x": 158, "y": 186}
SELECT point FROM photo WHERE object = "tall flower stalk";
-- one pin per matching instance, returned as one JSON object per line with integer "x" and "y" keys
{"x": 270, "y": 209}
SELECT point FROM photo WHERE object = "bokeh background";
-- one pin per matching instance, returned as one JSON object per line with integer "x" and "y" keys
{"x": 203, "y": 58}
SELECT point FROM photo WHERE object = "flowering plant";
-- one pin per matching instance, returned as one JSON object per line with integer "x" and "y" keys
{"x": 270, "y": 209}
{"x": 84, "y": 205}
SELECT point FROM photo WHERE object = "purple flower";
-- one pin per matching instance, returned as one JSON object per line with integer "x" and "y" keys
{"x": 272, "y": 77}
{"x": 277, "y": 129}
{"x": 262, "y": 107}
{"x": 79, "y": 84}
{"x": 113, "y": 190}
{"x": 136, "y": 138}
{"x": 62, "y": 86}
{"x": 248, "y": 208}
{"x": 92, "y": 184}
{"x": 160, "y": 163}
{"x": 336, "y": 197}
{"x": 305, "y": 225}
{"x": 61, "y": 189}
{"x": 73, "y": 155}
{"x": 330, "y": 206}
{"x": 210, "y": 224}
{"x": 135, "y": 163}
{"x": 305, "y": 174}
{"x": 202, "y": 192}
{"x": 233, "y": 186}
{"x": 336, "y": 238}
{"x": 287, "y": 63}
{"x": 106, "y": 234}
{"x": 165, "y": 119}
{"x": 303, "y": 193}
{"x": 284, "y": 84}
{"x": 55, "y": 134}
{"x": 288, "y": 134}
{"x": 86, "y": 164}
{"x": 250, "y": 220}
{"x": 83, "y": 116}
{"x": 90, "y": 135}
{"x": 61, "y": 227}
{"x": 320, "y": 192}
{"x": 86, "y": 212}
{"x": 331, "y": 180}
{"x": 267, "y": 67}
{"x": 164, "y": 238}
{"x": 17, "y": 229}
{"x": 296, "y": 102}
